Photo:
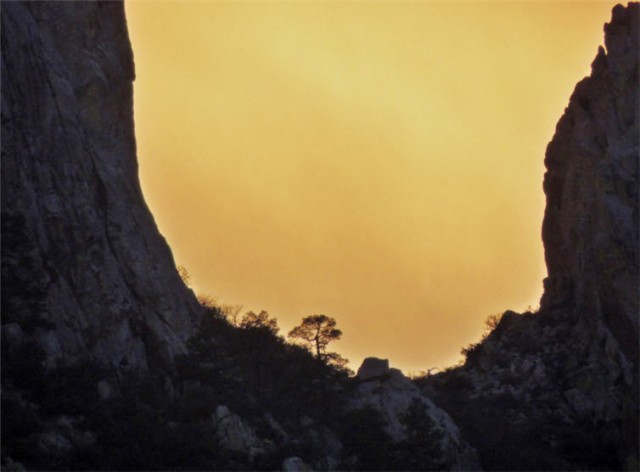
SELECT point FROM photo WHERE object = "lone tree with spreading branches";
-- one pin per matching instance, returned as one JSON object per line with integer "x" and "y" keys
{"x": 317, "y": 331}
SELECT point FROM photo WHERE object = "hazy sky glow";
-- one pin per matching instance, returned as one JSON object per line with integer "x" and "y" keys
{"x": 378, "y": 162}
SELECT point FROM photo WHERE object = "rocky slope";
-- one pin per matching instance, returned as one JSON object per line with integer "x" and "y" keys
{"x": 395, "y": 396}
{"x": 85, "y": 273}
{"x": 544, "y": 392}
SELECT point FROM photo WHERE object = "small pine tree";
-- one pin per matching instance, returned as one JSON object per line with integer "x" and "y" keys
{"x": 316, "y": 331}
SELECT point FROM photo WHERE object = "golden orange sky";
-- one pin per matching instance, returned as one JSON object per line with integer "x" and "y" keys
{"x": 378, "y": 162}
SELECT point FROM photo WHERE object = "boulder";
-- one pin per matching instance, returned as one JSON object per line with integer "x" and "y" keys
{"x": 391, "y": 393}
{"x": 372, "y": 367}
{"x": 234, "y": 434}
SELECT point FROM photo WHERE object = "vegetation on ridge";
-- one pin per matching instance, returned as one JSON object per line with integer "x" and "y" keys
{"x": 294, "y": 396}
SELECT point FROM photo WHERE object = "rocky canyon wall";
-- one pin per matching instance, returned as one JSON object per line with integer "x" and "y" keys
{"x": 86, "y": 277}
{"x": 85, "y": 270}
{"x": 558, "y": 389}
{"x": 590, "y": 228}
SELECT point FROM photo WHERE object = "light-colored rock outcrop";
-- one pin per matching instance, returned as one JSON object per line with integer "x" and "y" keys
{"x": 392, "y": 394}
{"x": 81, "y": 252}
{"x": 235, "y": 435}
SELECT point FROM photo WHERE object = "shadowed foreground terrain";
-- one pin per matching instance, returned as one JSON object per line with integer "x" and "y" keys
{"x": 110, "y": 363}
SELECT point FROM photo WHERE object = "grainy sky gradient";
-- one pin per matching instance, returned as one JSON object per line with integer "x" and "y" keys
{"x": 379, "y": 162}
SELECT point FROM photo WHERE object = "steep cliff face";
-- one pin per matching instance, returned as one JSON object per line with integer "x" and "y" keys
{"x": 558, "y": 389}
{"x": 590, "y": 228}
{"x": 85, "y": 272}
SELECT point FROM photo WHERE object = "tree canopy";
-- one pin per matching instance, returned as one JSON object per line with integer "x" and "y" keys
{"x": 251, "y": 320}
{"x": 316, "y": 331}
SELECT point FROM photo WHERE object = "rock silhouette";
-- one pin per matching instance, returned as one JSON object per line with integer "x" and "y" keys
{"x": 109, "y": 362}
{"x": 71, "y": 195}
{"x": 590, "y": 228}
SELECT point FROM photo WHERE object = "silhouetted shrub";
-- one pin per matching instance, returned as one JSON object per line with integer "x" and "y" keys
{"x": 422, "y": 447}
{"x": 472, "y": 352}
{"x": 365, "y": 440}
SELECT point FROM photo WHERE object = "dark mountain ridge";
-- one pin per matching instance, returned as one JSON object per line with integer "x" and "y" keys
{"x": 109, "y": 362}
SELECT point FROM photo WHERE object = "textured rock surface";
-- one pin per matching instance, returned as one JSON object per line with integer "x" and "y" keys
{"x": 372, "y": 367}
{"x": 392, "y": 394}
{"x": 549, "y": 386}
{"x": 83, "y": 262}
{"x": 234, "y": 434}
{"x": 559, "y": 389}
{"x": 590, "y": 228}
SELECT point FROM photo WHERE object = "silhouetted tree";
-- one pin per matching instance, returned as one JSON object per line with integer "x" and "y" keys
{"x": 261, "y": 320}
{"x": 316, "y": 331}
{"x": 231, "y": 313}
{"x": 336, "y": 360}
{"x": 493, "y": 321}
{"x": 184, "y": 275}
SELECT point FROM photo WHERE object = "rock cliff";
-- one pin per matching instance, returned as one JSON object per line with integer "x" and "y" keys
{"x": 88, "y": 282}
{"x": 558, "y": 389}
{"x": 590, "y": 228}
{"x": 85, "y": 272}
